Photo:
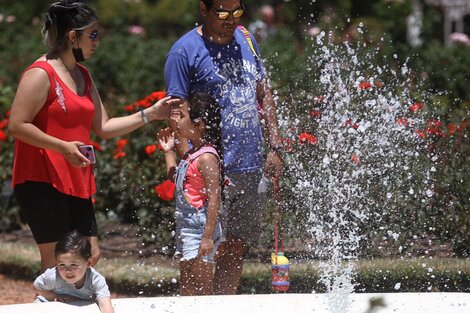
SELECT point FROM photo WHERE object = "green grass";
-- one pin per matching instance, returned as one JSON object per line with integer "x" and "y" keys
{"x": 133, "y": 277}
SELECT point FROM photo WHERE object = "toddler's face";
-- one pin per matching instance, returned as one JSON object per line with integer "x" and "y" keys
{"x": 72, "y": 267}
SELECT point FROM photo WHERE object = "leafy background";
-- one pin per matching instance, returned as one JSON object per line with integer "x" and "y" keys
{"x": 128, "y": 67}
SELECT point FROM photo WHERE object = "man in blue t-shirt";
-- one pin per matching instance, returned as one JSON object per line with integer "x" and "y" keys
{"x": 223, "y": 60}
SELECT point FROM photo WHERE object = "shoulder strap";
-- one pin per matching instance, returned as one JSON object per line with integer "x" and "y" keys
{"x": 205, "y": 149}
{"x": 246, "y": 33}
{"x": 50, "y": 73}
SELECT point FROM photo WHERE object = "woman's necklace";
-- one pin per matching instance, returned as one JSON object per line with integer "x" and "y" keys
{"x": 75, "y": 77}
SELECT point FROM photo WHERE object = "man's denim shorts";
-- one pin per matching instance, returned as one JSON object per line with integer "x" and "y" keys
{"x": 190, "y": 227}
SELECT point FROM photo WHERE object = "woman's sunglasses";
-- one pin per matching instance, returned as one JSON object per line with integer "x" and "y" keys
{"x": 223, "y": 14}
{"x": 93, "y": 35}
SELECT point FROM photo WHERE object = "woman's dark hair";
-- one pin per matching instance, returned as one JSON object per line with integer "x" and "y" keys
{"x": 204, "y": 106}
{"x": 62, "y": 17}
{"x": 75, "y": 243}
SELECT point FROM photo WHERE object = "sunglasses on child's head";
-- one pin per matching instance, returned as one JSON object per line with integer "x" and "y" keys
{"x": 224, "y": 14}
{"x": 93, "y": 35}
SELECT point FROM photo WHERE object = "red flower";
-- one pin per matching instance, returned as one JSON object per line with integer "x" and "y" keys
{"x": 96, "y": 145}
{"x": 355, "y": 159}
{"x": 365, "y": 85}
{"x": 416, "y": 106}
{"x": 435, "y": 131}
{"x": 166, "y": 190}
{"x": 308, "y": 138}
{"x": 378, "y": 83}
{"x": 3, "y": 136}
{"x": 421, "y": 134}
{"x": 349, "y": 122}
{"x": 150, "y": 149}
{"x": 129, "y": 108}
{"x": 434, "y": 123}
{"x": 451, "y": 128}
{"x": 315, "y": 113}
{"x": 3, "y": 123}
{"x": 120, "y": 144}
{"x": 119, "y": 155}
{"x": 142, "y": 103}
{"x": 8, "y": 113}
{"x": 157, "y": 95}
{"x": 402, "y": 121}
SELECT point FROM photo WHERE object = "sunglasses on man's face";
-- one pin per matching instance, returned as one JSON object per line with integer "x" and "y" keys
{"x": 93, "y": 35}
{"x": 224, "y": 14}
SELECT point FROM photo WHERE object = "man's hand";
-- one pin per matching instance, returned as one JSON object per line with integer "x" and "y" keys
{"x": 207, "y": 245}
{"x": 274, "y": 164}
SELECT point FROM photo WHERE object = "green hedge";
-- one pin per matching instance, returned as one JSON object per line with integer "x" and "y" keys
{"x": 125, "y": 185}
{"x": 142, "y": 278}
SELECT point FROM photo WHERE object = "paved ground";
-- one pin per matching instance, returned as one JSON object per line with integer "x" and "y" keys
{"x": 299, "y": 303}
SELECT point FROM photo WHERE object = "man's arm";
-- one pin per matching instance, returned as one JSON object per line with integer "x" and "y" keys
{"x": 271, "y": 127}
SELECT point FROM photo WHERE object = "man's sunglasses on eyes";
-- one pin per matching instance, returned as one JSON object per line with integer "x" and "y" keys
{"x": 224, "y": 14}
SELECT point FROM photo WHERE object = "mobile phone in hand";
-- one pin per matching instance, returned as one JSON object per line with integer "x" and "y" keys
{"x": 89, "y": 152}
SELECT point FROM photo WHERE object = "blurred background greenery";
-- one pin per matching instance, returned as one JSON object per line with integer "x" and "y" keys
{"x": 128, "y": 66}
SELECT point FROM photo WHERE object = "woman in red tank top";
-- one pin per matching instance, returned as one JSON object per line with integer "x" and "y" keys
{"x": 55, "y": 109}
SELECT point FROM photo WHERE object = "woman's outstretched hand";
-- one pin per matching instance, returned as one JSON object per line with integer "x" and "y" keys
{"x": 161, "y": 108}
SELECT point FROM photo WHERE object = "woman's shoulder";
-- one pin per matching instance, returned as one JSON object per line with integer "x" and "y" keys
{"x": 40, "y": 67}
{"x": 35, "y": 76}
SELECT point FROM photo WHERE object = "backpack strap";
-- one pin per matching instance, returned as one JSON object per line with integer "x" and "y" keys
{"x": 246, "y": 33}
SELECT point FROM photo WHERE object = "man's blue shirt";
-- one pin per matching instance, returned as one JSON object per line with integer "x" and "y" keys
{"x": 230, "y": 73}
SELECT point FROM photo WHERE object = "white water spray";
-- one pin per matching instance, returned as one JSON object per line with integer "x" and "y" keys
{"x": 357, "y": 170}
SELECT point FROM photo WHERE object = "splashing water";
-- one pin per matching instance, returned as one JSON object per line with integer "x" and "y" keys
{"x": 365, "y": 161}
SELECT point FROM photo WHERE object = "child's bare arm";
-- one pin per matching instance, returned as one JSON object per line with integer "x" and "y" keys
{"x": 208, "y": 165}
{"x": 105, "y": 305}
{"x": 166, "y": 139}
{"x": 52, "y": 296}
